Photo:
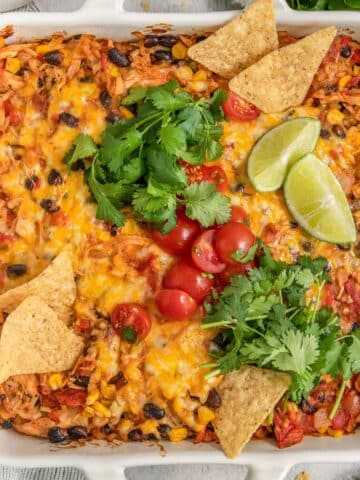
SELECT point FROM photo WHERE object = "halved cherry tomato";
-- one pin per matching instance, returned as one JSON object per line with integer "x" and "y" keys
{"x": 239, "y": 269}
{"x": 204, "y": 254}
{"x": 71, "y": 397}
{"x": 239, "y": 109}
{"x": 131, "y": 316}
{"x": 185, "y": 276}
{"x": 202, "y": 173}
{"x": 175, "y": 304}
{"x": 238, "y": 215}
{"x": 233, "y": 237}
{"x": 179, "y": 240}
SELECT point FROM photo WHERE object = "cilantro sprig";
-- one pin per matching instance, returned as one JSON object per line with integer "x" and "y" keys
{"x": 138, "y": 161}
{"x": 267, "y": 321}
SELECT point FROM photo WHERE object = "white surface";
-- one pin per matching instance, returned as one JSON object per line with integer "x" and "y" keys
{"x": 105, "y": 17}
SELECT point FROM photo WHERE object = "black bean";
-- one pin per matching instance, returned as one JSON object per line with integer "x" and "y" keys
{"x": 54, "y": 177}
{"x": 200, "y": 38}
{"x": 239, "y": 187}
{"x": 68, "y": 119}
{"x": 221, "y": 340}
{"x": 164, "y": 429}
{"x": 77, "y": 36}
{"x": 54, "y": 57}
{"x": 77, "y": 432}
{"x": 293, "y": 224}
{"x": 345, "y": 52}
{"x": 306, "y": 407}
{"x": 86, "y": 79}
{"x": 2, "y": 396}
{"x": 149, "y": 436}
{"x": 7, "y": 424}
{"x": 339, "y": 131}
{"x": 105, "y": 99}
{"x": 57, "y": 435}
{"x": 321, "y": 397}
{"x": 113, "y": 117}
{"x": 80, "y": 380}
{"x": 133, "y": 108}
{"x": 324, "y": 133}
{"x": 20, "y": 72}
{"x": 78, "y": 165}
{"x": 307, "y": 246}
{"x": 161, "y": 55}
{"x": 135, "y": 435}
{"x": 16, "y": 270}
{"x": 49, "y": 205}
{"x": 40, "y": 82}
{"x": 113, "y": 230}
{"x": 119, "y": 380}
{"x": 107, "y": 429}
{"x": 330, "y": 88}
{"x": 167, "y": 41}
{"x": 30, "y": 182}
{"x": 213, "y": 399}
{"x": 344, "y": 246}
{"x": 151, "y": 41}
{"x": 316, "y": 102}
{"x": 153, "y": 411}
{"x": 118, "y": 58}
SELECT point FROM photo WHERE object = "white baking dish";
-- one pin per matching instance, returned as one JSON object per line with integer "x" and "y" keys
{"x": 107, "y": 18}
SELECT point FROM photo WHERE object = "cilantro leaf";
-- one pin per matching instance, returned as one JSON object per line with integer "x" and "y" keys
{"x": 165, "y": 97}
{"x": 114, "y": 150}
{"x": 205, "y": 204}
{"x": 173, "y": 139}
{"x": 242, "y": 257}
{"x": 135, "y": 95}
{"x": 354, "y": 351}
{"x": 164, "y": 167}
{"x": 83, "y": 147}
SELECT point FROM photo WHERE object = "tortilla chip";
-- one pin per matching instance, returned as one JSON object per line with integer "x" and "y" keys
{"x": 55, "y": 285}
{"x": 35, "y": 340}
{"x": 239, "y": 43}
{"x": 248, "y": 396}
{"x": 282, "y": 79}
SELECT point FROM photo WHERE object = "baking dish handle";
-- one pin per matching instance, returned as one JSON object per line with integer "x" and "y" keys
{"x": 104, "y": 473}
{"x": 267, "y": 472}
{"x": 104, "y": 5}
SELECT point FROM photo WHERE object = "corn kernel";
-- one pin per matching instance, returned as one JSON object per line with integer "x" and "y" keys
{"x": 41, "y": 49}
{"x": 124, "y": 425}
{"x": 88, "y": 412}
{"x": 2, "y": 42}
{"x": 12, "y": 65}
{"x": 200, "y": 75}
{"x": 343, "y": 81}
{"x": 92, "y": 397}
{"x": 179, "y": 51}
{"x": 108, "y": 391}
{"x": 335, "y": 433}
{"x": 178, "y": 434}
{"x": 100, "y": 408}
{"x": 356, "y": 70}
{"x": 125, "y": 113}
{"x": 323, "y": 430}
{"x": 334, "y": 116}
{"x": 205, "y": 415}
{"x": 149, "y": 426}
{"x": 292, "y": 407}
{"x": 4, "y": 415}
{"x": 184, "y": 74}
{"x": 197, "y": 427}
{"x": 114, "y": 71}
{"x": 198, "y": 86}
{"x": 55, "y": 381}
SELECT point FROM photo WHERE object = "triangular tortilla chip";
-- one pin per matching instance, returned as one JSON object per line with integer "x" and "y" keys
{"x": 240, "y": 43}
{"x": 55, "y": 285}
{"x": 282, "y": 79}
{"x": 248, "y": 396}
{"x": 35, "y": 340}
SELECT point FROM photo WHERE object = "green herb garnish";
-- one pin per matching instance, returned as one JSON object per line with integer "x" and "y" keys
{"x": 129, "y": 334}
{"x": 324, "y": 4}
{"x": 269, "y": 323}
{"x": 138, "y": 163}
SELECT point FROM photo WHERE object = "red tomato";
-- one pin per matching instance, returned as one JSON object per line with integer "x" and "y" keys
{"x": 340, "y": 420}
{"x": 351, "y": 403}
{"x": 175, "y": 304}
{"x": 179, "y": 240}
{"x": 232, "y": 237}
{"x": 239, "y": 109}
{"x": 71, "y": 397}
{"x": 232, "y": 270}
{"x": 307, "y": 424}
{"x": 202, "y": 173}
{"x": 352, "y": 288}
{"x": 58, "y": 218}
{"x": 238, "y": 215}
{"x": 355, "y": 57}
{"x": 287, "y": 432}
{"x": 204, "y": 255}
{"x": 131, "y": 315}
{"x": 12, "y": 113}
{"x": 185, "y": 276}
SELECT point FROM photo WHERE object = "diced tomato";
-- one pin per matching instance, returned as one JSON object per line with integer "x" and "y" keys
{"x": 353, "y": 289}
{"x": 58, "y": 218}
{"x": 353, "y": 83}
{"x": 82, "y": 324}
{"x": 351, "y": 403}
{"x": 12, "y": 113}
{"x": 355, "y": 57}
{"x": 204, "y": 254}
{"x": 103, "y": 61}
{"x": 307, "y": 424}
{"x": 239, "y": 109}
{"x": 328, "y": 295}
{"x": 205, "y": 435}
{"x": 180, "y": 239}
{"x": 233, "y": 238}
{"x": 71, "y": 397}
{"x": 6, "y": 237}
{"x": 340, "y": 420}
{"x": 132, "y": 316}
{"x": 321, "y": 419}
{"x": 203, "y": 173}
{"x": 49, "y": 401}
{"x": 175, "y": 304}
{"x": 287, "y": 432}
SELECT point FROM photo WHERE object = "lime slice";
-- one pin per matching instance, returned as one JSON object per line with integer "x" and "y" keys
{"x": 318, "y": 202}
{"x": 280, "y": 148}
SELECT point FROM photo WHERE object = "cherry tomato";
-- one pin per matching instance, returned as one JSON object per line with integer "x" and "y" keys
{"x": 238, "y": 215}
{"x": 179, "y": 240}
{"x": 204, "y": 255}
{"x": 232, "y": 270}
{"x": 131, "y": 319}
{"x": 232, "y": 237}
{"x": 185, "y": 276}
{"x": 239, "y": 109}
{"x": 71, "y": 397}
{"x": 175, "y": 304}
{"x": 202, "y": 173}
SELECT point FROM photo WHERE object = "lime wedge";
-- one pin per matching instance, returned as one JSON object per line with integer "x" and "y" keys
{"x": 280, "y": 148}
{"x": 317, "y": 201}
